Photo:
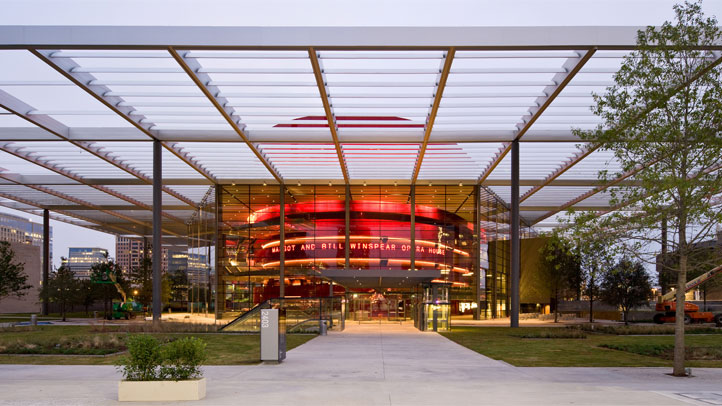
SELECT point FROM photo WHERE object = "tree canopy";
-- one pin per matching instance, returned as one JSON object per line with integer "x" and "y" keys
{"x": 661, "y": 120}
{"x": 626, "y": 285}
{"x": 13, "y": 279}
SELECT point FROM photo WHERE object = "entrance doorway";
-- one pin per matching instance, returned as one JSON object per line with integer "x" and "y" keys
{"x": 379, "y": 307}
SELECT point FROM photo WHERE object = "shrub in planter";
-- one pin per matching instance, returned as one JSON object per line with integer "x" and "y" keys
{"x": 143, "y": 360}
{"x": 158, "y": 372}
{"x": 182, "y": 359}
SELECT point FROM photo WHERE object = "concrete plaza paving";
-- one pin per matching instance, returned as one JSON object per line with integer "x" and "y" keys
{"x": 387, "y": 364}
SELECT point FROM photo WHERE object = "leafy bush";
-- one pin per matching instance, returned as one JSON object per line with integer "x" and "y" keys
{"x": 182, "y": 359}
{"x": 72, "y": 345}
{"x": 148, "y": 360}
{"x": 143, "y": 360}
{"x": 165, "y": 327}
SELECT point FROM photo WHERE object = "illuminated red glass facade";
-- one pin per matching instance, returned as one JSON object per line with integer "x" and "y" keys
{"x": 448, "y": 239}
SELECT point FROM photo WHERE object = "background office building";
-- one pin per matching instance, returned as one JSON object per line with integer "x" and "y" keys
{"x": 81, "y": 259}
{"x": 15, "y": 229}
{"x": 129, "y": 253}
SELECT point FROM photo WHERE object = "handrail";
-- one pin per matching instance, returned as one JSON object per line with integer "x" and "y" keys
{"x": 306, "y": 314}
{"x": 254, "y": 310}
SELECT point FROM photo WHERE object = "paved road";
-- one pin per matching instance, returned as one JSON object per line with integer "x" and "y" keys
{"x": 373, "y": 364}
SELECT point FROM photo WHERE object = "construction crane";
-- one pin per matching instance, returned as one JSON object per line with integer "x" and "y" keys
{"x": 667, "y": 306}
{"x": 125, "y": 309}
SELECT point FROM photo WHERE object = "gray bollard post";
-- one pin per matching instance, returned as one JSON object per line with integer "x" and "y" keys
{"x": 34, "y": 319}
{"x": 323, "y": 329}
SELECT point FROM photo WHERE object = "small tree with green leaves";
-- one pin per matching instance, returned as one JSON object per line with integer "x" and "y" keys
{"x": 62, "y": 289}
{"x": 626, "y": 285}
{"x": 13, "y": 280}
{"x": 596, "y": 248}
{"x": 88, "y": 293}
{"x": 662, "y": 120}
{"x": 560, "y": 266}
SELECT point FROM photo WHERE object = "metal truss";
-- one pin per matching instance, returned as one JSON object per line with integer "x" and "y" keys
{"x": 191, "y": 67}
{"x": 68, "y": 68}
{"x": 431, "y": 117}
{"x": 35, "y": 160}
{"x": 330, "y": 116}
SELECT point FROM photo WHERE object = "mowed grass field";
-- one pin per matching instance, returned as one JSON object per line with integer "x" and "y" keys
{"x": 509, "y": 345}
{"x": 222, "y": 348}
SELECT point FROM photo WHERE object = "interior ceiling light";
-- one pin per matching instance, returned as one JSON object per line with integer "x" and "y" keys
{"x": 264, "y": 184}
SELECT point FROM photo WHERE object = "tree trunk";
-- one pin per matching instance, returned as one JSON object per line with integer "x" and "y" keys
{"x": 591, "y": 300}
{"x": 556, "y": 306}
{"x": 678, "y": 369}
{"x": 62, "y": 309}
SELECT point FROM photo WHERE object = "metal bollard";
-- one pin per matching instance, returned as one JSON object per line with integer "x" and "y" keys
{"x": 322, "y": 328}
{"x": 33, "y": 319}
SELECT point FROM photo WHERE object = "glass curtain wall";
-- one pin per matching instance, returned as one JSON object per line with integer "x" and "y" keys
{"x": 448, "y": 221}
{"x": 196, "y": 269}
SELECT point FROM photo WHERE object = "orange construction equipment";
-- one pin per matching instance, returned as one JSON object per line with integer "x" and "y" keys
{"x": 667, "y": 306}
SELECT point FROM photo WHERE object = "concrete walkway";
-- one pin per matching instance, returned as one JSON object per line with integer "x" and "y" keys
{"x": 372, "y": 364}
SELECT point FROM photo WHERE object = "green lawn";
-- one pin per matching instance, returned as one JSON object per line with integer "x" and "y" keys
{"x": 504, "y": 344}
{"x": 223, "y": 349}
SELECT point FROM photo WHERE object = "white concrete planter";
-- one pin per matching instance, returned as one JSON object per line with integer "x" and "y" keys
{"x": 168, "y": 391}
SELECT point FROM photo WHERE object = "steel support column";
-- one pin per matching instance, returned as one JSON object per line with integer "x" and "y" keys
{"x": 412, "y": 224}
{"x": 347, "y": 233}
{"x": 282, "y": 240}
{"x": 220, "y": 286}
{"x": 46, "y": 257}
{"x": 477, "y": 253}
{"x": 157, "y": 232}
{"x": 515, "y": 251}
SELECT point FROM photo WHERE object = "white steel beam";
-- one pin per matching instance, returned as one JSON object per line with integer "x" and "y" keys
{"x": 443, "y": 76}
{"x": 49, "y": 124}
{"x": 192, "y": 69}
{"x": 67, "y": 67}
{"x": 90, "y": 206}
{"x": 37, "y": 161}
{"x": 330, "y": 116}
{"x": 322, "y": 38}
{"x": 114, "y": 228}
{"x": 570, "y": 68}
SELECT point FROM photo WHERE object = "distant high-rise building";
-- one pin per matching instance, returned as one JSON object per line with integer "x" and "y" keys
{"x": 129, "y": 253}
{"x": 194, "y": 265}
{"x": 81, "y": 259}
{"x": 19, "y": 229}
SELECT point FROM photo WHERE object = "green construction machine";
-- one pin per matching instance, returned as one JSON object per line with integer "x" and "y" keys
{"x": 126, "y": 309}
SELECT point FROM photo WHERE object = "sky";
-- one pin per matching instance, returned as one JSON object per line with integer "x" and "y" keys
{"x": 321, "y": 13}
{"x": 341, "y": 12}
